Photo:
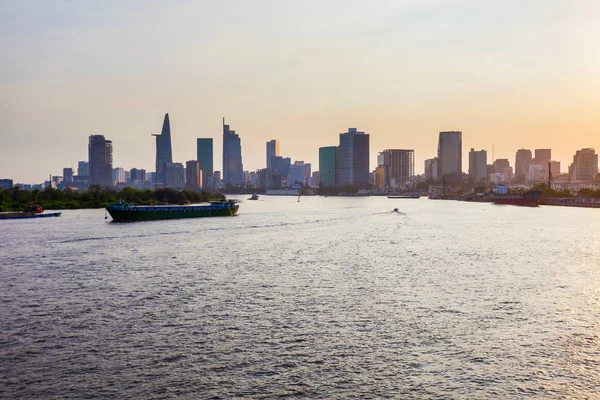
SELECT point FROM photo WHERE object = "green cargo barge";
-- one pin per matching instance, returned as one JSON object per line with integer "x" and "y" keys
{"x": 126, "y": 212}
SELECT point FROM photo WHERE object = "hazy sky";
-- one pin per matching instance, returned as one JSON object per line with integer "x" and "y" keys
{"x": 506, "y": 73}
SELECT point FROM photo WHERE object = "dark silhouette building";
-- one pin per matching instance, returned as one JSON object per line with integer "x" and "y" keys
{"x": 164, "y": 154}
{"x": 100, "y": 161}
{"x": 353, "y": 156}
{"x": 233, "y": 173}
{"x": 204, "y": 148}
{"x": 450, "y": 155}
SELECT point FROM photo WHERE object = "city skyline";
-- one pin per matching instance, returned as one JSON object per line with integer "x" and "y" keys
{"x": 507, "y": 76}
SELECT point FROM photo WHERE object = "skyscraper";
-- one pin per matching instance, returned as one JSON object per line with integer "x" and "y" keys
{"x": 100, "y": 161}
{"x": 67, "y": 176}
{"x": 584, "y": 166}
{"x": 163, "y": 151}
{"x": 118, "y": 175}
{"x": 272, "y": 151}
{"x": 400, "y": 165}
{"x": 522, "y": 160}
{"x": 299, "y": 173}
{"x": 83, "y": 168}
{"x": 543, "y": 157}
{"x": 353, "y": 156}
{"x": 328, "y": 158}
{"x": 233, "y": 170}
{"x": 478, "y": 165}
{"x": 431, "y": 169}
{"x": 450, "y": 155}
{"x": 193, "y": 175}
{"x": 174, "y": 176}
{"x": 204, "y": 148}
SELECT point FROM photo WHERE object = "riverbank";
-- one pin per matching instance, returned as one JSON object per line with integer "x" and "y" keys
{"x": 96, "y": 197}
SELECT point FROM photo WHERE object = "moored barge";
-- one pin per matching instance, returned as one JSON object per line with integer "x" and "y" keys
{"x": 127, "y": 212}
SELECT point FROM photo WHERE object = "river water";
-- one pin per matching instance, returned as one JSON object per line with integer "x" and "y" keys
{"x": 322, "y": 298}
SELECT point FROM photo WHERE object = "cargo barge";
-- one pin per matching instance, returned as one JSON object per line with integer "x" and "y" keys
{"x": 22, "y": 215}
{"x": 125, "y": 212}
{"x": 30, "y": 212}
{"x": 529, "y": 199}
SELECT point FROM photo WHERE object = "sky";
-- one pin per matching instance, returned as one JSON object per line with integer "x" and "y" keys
{"x": 508, "y": 74}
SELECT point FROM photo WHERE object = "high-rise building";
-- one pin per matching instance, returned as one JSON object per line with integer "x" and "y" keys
{"x": 281, "y": 165}
{"x": 501, "y": 164}
{"x": 174, "y": 176}
{"x": 400, "y": 163}
{"x": 555, "y": 168}
{"x": 193, "y": 175}
{"x": 137, "y": 176}
{"x": 100, "y": 161}
{"x": 67, "y": 176}
{"x": 478, "y": 168}
{"x": 272, "y": 151}
{"x": 584, "y": 166}
{"x": 204, "y": 148}
{"x": 6, "y": 183}
{"x": 431, "y": 169}
{"x": 522, "y": 160}
{"x": 450, "y": 155}
{"x": 299, "y": 173}
{"x": 164, "y": 154}
{"x": 328, "y": 160}
{"x": 118, "y": 175}
{"x": 83, "y": 168}
{"x": 353, "y": 156}
{"x": 543, "y": 157}
{"x": 233, "y": 170}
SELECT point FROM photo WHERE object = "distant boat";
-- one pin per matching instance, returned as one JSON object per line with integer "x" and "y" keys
{"x": 405, "y": 196}
{"x": 254, "y": 197}
{"x": 529, "y": 199}
{"x": 22, "y": 215}
{"x": 30, "y": 211}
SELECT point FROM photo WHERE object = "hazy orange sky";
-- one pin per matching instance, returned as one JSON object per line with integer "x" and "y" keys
{"x": 506, "y": 73}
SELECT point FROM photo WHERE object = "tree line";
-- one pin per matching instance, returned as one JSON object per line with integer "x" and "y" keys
{"x": 16, "y": 199}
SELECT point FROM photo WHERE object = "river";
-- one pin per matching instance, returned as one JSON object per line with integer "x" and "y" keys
{"x": 328, "y": 297}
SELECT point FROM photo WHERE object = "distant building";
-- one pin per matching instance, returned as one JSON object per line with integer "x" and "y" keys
{"x": 450, "y": 155}
{"x": 281, "y": 165}
{"x": 83, "y": 168}
{"x": 400, "y": 165}
{"x": 266, "y": 178}
{"x": 164, "y": 154}
{"x": 584, "y": 166}
{"x": 535, "y": 173}
{"x": 100, "y": 161}
{"x": 6, "y": 183}
{"x": 501, "y": 164}
{"x": 251, "y": 178}
{"x": 137, "y": 176}
{"x": 328, "y": 160}
{"x": 478, "y": 168}
{"x": 555, "y": 168}
{"x": 67, "y": 176}
{"x": 316, "y": 178}
{"x": 193, "y": 175}
{"x": 522, "y": 160}
{"x": 431, "y": 169}
{"x": 118, "y": 175}
{"x": 272, "y": 151}
{"x": 353, "y": 156}
{"x": 543, "y": 157}
{"x": 174, "y": 176}
{"x": 299, "y": 173}
{"x": 233, "y": 170}
{"x": 381, "y": 176}
{"x": 204, "y": 148}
